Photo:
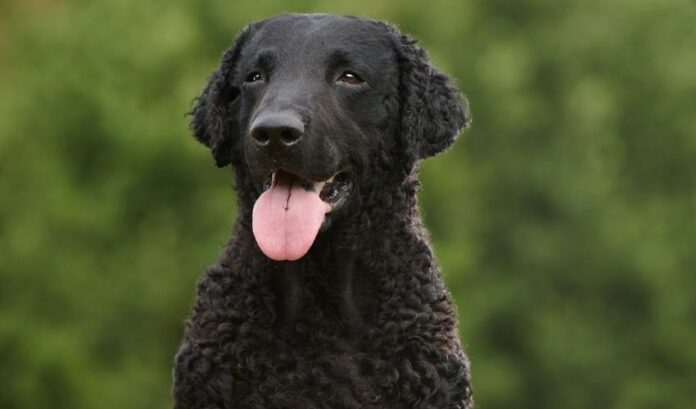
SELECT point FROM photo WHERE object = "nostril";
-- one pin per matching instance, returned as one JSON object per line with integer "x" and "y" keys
{"x": 276, "y": 130}
{"x": 261, "y": 136}
{"x": 289, "y": 136}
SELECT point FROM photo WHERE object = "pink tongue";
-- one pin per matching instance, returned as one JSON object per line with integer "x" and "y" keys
{"x": 286, "y": 220}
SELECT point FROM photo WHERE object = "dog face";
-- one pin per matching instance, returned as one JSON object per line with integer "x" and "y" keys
{"x": 312, "y": 107}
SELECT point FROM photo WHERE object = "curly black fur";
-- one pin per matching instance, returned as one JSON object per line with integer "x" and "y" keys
{"x": 363, "y": 320}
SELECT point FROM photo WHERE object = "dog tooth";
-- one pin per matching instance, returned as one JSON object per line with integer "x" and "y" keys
{"x": 318, "y": 186}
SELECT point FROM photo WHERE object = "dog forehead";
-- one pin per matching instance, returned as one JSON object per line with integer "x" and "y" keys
{"x": 313, "y": 36}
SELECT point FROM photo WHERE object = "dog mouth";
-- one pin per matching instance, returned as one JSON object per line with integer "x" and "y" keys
{"x": 288, "y": 215}
{"x": 333, "y": 191}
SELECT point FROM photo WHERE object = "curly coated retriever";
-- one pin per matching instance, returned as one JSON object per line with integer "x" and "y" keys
{"x": 328, "y": 294}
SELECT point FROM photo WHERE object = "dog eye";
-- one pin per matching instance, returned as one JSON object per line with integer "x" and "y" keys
{"x": 253, "y": 77}
{"x": 350, "y": 78}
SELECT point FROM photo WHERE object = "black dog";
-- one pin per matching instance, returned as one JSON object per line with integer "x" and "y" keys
{"x": 327, "y": 295}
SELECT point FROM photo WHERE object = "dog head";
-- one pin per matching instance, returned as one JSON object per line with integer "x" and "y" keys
{"x": 315, "y": 106}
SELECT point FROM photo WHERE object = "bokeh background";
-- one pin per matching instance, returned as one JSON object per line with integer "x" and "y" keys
{"x": 564, "y": 219}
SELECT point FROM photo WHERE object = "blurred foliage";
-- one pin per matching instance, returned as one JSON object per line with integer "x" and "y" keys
{"x": 564, "y": 220}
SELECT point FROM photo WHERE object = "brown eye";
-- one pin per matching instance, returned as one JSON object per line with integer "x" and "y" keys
{"x": 350, "y": 78}
{"x": 254, "y": 76}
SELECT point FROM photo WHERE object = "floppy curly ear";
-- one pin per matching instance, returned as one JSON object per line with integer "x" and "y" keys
{"x": 433, "y": 111}
{"x": 215, "y": 117}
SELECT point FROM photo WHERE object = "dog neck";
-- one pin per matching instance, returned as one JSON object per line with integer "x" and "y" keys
{"x": 377, "y": 251}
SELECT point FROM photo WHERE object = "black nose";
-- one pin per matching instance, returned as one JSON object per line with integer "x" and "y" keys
{"x": 281, "y": 129}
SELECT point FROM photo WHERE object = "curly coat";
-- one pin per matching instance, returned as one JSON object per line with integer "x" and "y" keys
{"x": 363, "y": 320}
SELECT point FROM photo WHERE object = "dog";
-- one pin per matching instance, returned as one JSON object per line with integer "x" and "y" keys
{"x": 328, "y": 294}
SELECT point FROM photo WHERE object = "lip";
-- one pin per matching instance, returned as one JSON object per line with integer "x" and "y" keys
{"x": 334, "y": 190}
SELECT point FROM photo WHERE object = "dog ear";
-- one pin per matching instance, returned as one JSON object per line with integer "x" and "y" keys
{"x": 433, "y": 111}
{"x": 215, "y": 121}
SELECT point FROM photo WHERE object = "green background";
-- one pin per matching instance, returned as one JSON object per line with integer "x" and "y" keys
{"x": 564, "y": 219}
